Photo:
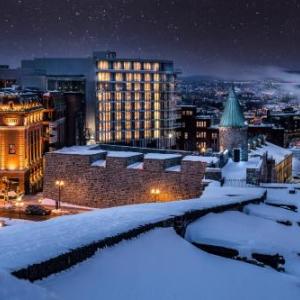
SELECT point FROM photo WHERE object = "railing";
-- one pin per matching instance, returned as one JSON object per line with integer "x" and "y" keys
{"x": 237, "y": 183}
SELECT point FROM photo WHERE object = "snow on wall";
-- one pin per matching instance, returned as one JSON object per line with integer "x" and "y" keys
{"x": 21, "y": 246}
{"x": 162, "y": 265}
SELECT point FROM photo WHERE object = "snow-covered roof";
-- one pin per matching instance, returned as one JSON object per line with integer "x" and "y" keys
{"x": 161, "y": 156}
{"x": 238, "y": 170}
{"x": 80, "y": 150}
{"x": 136, "y": 166}
{"x": 99, "y": 163}
{"x": 278, "y": 153}
{"x": 206, "y": 159}
{"x": 122, "y": 154}
{"x": 176, "y": 168}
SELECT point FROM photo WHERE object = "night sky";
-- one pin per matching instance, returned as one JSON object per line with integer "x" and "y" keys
{"x": 201, "y": 36}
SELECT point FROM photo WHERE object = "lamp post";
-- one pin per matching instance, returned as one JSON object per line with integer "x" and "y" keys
{"x": 170, "y": 136}
{"x": 59, "y": 184}
{"x": 19, "y": 204}
{"x": 155, "y": 193}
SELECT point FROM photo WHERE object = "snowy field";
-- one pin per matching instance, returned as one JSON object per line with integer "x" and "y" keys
{"x": 255, "y": 230}
{"x": 12, "y": 222}
{"x": 35, "y": 242}
{"x": 162, "y": 265}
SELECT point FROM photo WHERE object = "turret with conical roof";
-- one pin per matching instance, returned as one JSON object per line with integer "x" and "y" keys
{"x": 233, "y": 128}
{"x": 233, "y": 114}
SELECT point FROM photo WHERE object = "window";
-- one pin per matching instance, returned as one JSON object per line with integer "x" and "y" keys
{"x": 186, "y": 135}
{"x": 201, "y": 124}
{"x": 12, "y": 149}
{"x": 102, "y": 65}
{"x": 147, "y": 66}
{"x": 137, "y": 65}
{"x": 127, "y": 65}
{"x": 117, "y": 65}
{"x": 119, "y": 76}
{"x": 103, "y": 76}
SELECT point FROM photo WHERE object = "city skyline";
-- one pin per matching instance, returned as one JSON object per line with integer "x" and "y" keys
{"x": 202, "y": 37}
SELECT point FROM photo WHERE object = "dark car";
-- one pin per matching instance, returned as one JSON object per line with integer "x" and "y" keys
{"x": 37, "y": 210}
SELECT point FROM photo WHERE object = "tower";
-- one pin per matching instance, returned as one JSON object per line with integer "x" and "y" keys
{"x": 233, "y": 129}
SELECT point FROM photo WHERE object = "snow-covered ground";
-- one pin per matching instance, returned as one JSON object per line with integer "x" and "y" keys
{"x": 35, "y": 242}
{"x": 12, "y": 222}
{"x": 162, "y": 265}
{"x": 273, "y": 213}
{"x": 238, "y": 170}
{"x": 12, "y": 288}
{"x": 281, "y": 196}
{"x": 249, "y": 234}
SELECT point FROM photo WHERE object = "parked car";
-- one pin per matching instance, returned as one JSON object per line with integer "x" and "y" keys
{"x": 37, "y": 210}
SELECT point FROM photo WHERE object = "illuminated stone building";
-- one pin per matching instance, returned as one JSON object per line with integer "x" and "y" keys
{"x": 127, "y": 101}
{"x": 233, "y": 129}
{"x": 21, "y": 130}
{"x": 136, "y": 101}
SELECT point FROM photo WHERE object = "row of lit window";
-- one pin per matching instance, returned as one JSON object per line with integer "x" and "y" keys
{"x": 106, "y": 136}
{"x": 108, "y": 96}
{"x": 33, "y": 118}
{"x": 128, "y": 65}
{"x": 201, "y": 123}
{"x": 107, "y": 76}
{"x": 187, "y": 112}
{"x": 201, "y": 134}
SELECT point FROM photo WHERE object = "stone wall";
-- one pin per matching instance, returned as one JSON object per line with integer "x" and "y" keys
{"x": 231, "y": 138}
{"x": 113, "y": 183}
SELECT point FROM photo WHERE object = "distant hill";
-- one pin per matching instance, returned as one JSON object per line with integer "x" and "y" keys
{"x": 198, "y": 77}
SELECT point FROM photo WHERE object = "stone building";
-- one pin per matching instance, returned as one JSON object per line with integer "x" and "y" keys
{"x": 21, "y": 133}
{"x": 233, "y": 129}
{"x": 96, "y": 177}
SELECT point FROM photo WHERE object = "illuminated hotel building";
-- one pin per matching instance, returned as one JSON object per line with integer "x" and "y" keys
{"x": 21, "y": 129}
{"x": 136, "y": 101}
{"x": 126, "y": 101}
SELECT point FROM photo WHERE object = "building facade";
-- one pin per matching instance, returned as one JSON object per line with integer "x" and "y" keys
{"x": 127, "y": 101}
{"x": 9, "y": 77}
{"x": 54, "y": 121}
{"x": 136, "y": 102}
{"x": 21, "y": 136}
{"x": 96, "y": 177}
{"x": 196, "y": 132}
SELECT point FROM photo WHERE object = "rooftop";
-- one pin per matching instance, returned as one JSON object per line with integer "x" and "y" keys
{"x": 233, "y": 113}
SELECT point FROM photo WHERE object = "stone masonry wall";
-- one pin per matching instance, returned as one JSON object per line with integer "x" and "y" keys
{"x": 115, "y": 184}
{"x": 231, "y": 138}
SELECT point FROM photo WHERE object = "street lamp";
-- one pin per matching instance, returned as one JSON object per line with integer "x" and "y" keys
{"x": 19, "y": 204}
{"x": 170, "y": 136}
{"x": 59, "y": 184}
{"x": 155, "y": 193}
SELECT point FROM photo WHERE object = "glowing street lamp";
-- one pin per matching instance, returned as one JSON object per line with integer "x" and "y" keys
{"x": 19, "y": 205}
{"x": 59, "y": 184}
{"x": 155, "y": 193}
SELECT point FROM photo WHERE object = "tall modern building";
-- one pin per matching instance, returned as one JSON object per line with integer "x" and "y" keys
{"x": 128, "y": 101}
{"x": 136, "y": 101}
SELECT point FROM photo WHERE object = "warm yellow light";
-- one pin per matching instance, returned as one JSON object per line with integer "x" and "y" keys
{"x": 155, "y": 191}
{"x": 59, "y": 183}
{"x": 12, "y": 167}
